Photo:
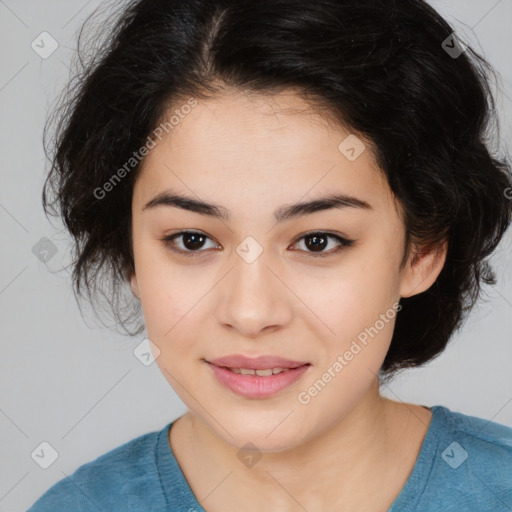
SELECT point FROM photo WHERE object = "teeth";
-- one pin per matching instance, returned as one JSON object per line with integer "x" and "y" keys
{"x": 264, "y": 373}
{"x": 261, "y": 373}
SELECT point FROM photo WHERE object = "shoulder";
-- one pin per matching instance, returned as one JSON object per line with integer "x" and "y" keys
{"x": 485, "y": 439}
{"x": 120, "y": 478}
{"x": 472, "y": 465}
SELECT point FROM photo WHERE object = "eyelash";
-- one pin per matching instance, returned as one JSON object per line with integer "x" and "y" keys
{"x": 344, "y": 242}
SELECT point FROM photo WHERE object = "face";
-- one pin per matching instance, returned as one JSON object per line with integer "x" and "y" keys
{"x": 257, "y": 278}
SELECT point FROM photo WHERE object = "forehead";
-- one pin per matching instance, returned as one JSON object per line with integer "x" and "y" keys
{"x": 249, "y": 147}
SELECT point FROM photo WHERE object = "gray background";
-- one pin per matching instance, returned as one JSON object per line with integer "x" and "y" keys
{"x": 78, "y": 386}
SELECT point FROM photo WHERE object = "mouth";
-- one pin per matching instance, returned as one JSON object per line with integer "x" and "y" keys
{"x": 260, "y": 382}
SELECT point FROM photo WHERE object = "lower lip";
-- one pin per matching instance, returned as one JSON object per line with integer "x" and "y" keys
{"x": 255, "y": 386}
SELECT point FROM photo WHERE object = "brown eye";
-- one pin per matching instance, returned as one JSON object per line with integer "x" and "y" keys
{"x": 192, "y": 241}
{"x": 317, "y": 242}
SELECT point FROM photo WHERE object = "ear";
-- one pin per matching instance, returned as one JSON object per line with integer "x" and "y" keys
{"x": 423, "y": 267}
{"x": 133, "y": 284}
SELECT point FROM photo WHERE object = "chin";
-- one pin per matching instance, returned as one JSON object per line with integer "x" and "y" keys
{"x": 264, "y": 436}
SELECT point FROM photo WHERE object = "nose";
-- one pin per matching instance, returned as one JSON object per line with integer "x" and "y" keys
{"x": 254, "y": 298}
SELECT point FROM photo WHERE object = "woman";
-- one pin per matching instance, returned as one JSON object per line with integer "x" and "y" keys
{"x": 301, "y": 199}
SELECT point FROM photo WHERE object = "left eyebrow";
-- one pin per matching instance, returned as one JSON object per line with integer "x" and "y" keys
{"x": 284, "y": 213}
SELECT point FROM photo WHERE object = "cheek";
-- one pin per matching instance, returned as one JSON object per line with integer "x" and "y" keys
{"x": 354, "y": 296}
{"x": 167, "y": 302}
{"x": 166, "y": 292}
{"x": 169, "y": 305}
{"x": 357, "y": 309}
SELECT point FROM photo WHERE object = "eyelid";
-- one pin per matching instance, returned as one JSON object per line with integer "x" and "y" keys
{"x": 167, "y": 241}
{"x": 342, "y": 240}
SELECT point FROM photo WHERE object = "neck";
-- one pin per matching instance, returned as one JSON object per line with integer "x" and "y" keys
{"x": 337, "y": 463}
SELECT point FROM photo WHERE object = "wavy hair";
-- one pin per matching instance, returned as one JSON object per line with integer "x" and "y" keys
{"x": 382, "y": 68}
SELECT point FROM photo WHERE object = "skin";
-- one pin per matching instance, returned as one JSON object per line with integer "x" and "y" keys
{"x": 253, "y": 154}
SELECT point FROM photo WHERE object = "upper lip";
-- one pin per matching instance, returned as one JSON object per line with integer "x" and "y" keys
{"x": 259, "y": 363}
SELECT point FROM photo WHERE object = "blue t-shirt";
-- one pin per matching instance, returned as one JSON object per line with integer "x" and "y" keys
{"x": 465, "y": 464}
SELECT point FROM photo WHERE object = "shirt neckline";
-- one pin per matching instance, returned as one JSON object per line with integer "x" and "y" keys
{"x": 414, "y": 487}
{"x": 177, "y": 490}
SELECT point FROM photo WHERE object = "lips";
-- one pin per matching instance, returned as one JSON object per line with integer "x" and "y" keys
{"x": 256, "y": 386}
{"x": 259, "y": 363}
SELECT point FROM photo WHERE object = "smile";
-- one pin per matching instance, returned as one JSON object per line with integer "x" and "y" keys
{"x": 260, "y": 383}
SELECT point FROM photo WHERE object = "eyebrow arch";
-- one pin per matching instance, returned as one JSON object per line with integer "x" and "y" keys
{"x": 284, "y": 213}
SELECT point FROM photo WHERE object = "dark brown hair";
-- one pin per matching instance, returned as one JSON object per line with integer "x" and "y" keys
{"x": 381, "y": 67}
